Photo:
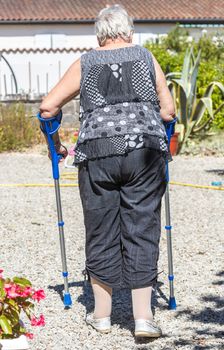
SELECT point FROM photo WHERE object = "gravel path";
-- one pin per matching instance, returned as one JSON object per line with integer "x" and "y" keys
{"x": 29, "y": 246}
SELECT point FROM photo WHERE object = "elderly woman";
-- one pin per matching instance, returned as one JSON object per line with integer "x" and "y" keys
{"x": 121, "y": 156}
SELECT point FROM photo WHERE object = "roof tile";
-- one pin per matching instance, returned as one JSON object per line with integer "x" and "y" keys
{"x": 80, "y": 10}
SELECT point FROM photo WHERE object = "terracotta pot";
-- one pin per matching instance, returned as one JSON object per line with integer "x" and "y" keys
{"x": 174, "y": 143}
{"x": 20, "y": 343}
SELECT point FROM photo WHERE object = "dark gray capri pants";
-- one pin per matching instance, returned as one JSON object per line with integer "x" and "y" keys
{"x": 121, "y": 198}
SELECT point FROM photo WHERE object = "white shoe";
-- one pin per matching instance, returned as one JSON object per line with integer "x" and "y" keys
{"x": 102, "y": 325}
{"x": 146, "y": 328}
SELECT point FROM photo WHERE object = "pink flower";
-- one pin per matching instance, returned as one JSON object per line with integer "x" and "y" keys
{"x": 26, "y": 292}
{"x": 38, "y": 295}
{"x": 7, "y": 286}
{"x": 1, "y": 273}
{"x": 29, "y": 335}
{"x": 11, "y": 290}
{"x": 38, "y": 322}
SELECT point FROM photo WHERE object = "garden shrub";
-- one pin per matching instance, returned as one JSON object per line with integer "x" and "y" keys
{"x": 170, "y": 51}
{"x": 17, "y": 128}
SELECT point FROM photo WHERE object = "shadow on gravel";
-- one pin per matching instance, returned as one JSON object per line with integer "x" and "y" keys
{"x": 216, "y": 171}
{"x": 157, "y": 296}
{"x": 212, "y": 315}
{"x": 59, "y": 288}
{"x": 122, "y": 305}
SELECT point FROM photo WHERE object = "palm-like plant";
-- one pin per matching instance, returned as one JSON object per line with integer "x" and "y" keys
{"x": 191, "y": 110}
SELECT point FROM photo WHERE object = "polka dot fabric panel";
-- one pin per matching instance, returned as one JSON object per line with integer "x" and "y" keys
{"x": 121, "y": 119}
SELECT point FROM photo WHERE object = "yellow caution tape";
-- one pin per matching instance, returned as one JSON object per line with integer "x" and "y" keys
{"x": 69, "y": 173}
{"x": 217, "y": 188}
{"x": 37, "y": 185}
{"x": 69, "y": 176}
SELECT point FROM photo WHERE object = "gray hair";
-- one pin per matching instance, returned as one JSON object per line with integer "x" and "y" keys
{"x": 113, "y": 22}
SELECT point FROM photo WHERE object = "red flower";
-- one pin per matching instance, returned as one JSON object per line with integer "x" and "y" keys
{"x": 7, "y": 286}
{"x": 12, "y": 290}
{"x": 38, "y": 295}
{"x": 38, "y": 322}
{"x": 26, "y": 292}
{"x": 29, "y": 335}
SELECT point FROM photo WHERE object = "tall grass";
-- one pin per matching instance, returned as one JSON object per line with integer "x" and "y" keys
{"x": 17, "y": 128}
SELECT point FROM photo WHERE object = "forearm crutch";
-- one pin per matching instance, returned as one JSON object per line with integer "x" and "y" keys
{"x": 170, "y": 128}
{"x": 49, "y": 127}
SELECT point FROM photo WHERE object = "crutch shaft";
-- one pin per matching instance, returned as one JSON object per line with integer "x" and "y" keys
{"x": 61, "y": 234}
{"x": 168, "y": 231}
{"x": 168, "y": 227}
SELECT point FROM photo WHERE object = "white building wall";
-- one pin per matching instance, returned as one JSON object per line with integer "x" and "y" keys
{"x": 49, "y": 67}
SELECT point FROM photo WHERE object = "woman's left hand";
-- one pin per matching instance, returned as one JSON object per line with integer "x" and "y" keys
{"x": 46, "y": 114}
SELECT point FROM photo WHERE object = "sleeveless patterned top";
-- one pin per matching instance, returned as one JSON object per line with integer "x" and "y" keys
{"x": 119, "y": 106}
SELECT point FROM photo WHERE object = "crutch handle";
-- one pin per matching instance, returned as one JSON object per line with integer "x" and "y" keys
{"x": 170, "y": 128}
{"x": 49, "y": 127}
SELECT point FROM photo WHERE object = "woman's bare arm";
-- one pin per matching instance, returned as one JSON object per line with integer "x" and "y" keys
{"x": 167, "y": 110}
{"x": 67, "y": 88}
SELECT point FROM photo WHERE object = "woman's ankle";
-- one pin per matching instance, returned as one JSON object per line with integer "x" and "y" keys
{"x": 148, "y": 316}
{"x": 98, "y": 316}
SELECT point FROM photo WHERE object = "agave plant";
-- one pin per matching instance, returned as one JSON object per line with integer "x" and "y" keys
{"x": 191, "y": 111}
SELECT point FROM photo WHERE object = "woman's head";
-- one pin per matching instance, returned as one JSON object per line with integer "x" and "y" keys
{"x": 113, "y": 22}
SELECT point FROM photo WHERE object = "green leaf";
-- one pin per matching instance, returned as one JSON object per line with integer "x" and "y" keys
{"x": 2, "y": 291}
{"x": 211, "y": 87}
{"x": 22, "y": 281}
{"x": 189, "y": 130}
{"x": 205, "y": 103}
{"x": 181, "y": 106}
{"x": 5, "y": 324}
{"x": 191, "y": 95}
{"x": 27, "y": 304}
{"x": 173, "y": 75}
{"x": 12, "y": 304}
{"x": 12, "y": 314}
{"x": 186, "y": 66}
{"x": 219, "y": 109}
{"x": 28, "y": 309}
{"x": 12, "y": 317}
{"x": 22, "y": 330}
{"x": 181, "y": 129}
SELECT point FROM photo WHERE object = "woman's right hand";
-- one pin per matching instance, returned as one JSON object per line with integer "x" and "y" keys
{"x": 61, "y": 150}
{"x": 168, "y": 118}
